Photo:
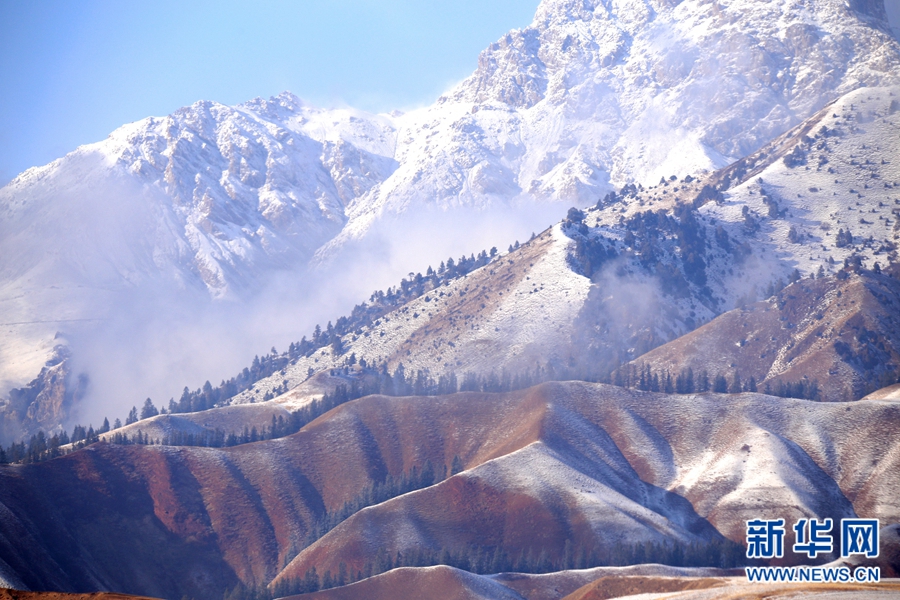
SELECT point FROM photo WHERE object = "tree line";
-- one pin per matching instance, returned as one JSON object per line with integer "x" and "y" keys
{"x": 383, "y": 490}
{"x": 378, "y": 491}
{"x": 41, "y": 448}
{"x": 484, "y": 560}
{"x": 369, "y": 379}
{"x": 644, "y": 378}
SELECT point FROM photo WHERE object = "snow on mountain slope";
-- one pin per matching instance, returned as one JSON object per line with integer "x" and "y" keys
{"x": 841, "y": 177}
{"x": 236, "y": 416}
{"x": 598, "y": 93}
{"x": 131, "y": 238}
{"x": 619, "y": 280}
{"x": 822, "y": 194}
{"x": 844, "y": 176}
{"x": 216, "y": 192}
{"x": 892, "y": 392}
{"x": 532, "y": 499}
{"x": 120, "y": 239}
{"x": 516, "y": 313}
{"x": 839, "y": 335}
{"x": 597, "y": 464}
{"x": 541, "y": 465}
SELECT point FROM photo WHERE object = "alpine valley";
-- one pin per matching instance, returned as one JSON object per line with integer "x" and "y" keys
{"x": 700, "y": 326}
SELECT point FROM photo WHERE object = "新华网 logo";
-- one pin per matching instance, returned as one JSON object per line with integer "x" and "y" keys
{"x": 765, "y": 537}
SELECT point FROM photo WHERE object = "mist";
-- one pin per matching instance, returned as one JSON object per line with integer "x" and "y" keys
{"x": 161, "y": 335}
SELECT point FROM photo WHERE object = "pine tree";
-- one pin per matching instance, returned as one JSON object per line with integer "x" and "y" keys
{"x": 311, "y": 581}
{"x": 751, "y": 384}
{"x": 736, "y": 387}
{"x": 720, "y": 385}
{"x": 703, "y": 382}
{"x": 148, "y": 410}
{"x": 132, "y": 416}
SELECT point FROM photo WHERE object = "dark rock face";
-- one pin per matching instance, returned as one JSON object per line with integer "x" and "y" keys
{"x": 45, "y": 403}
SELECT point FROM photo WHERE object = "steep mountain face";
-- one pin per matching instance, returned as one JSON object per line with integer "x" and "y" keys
{"x": 592, "y": 463}
{"x": 216, "y": 202}
{"x": 167, "y": 213}
{"x": 226, "y": 191}
{"x": 598, "y": 93}
{"x": 44, "y": 403}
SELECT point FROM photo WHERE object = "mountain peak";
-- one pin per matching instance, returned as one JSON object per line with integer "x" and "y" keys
{"x": 592, "y": 95}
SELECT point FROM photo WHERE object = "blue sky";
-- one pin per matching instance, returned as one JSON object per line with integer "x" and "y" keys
{"x": 72, "y": 72}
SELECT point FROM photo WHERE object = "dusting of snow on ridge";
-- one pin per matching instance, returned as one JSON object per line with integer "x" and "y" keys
{"x": 528, "y": 319}
{"x": 604, "y": 504}
{"x": 516, "y": 312}
{"x": 537, "y": 316}
{"x": 849, "y": 181}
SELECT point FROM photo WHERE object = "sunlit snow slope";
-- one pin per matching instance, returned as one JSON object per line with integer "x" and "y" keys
{"x": 600, "y": 93}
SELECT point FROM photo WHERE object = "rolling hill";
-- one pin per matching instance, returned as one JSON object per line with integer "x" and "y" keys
{"x": 604, "y": 465}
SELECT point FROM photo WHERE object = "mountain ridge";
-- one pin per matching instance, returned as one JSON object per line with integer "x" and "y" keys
{"x": 217, "y": 202}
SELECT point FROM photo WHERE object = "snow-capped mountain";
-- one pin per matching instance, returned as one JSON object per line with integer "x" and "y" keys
{"x": 600, "y": 93}
{"x": 216, "y": 201}
{"x": 207, "y": 202}
{"x": 228, "y": 192}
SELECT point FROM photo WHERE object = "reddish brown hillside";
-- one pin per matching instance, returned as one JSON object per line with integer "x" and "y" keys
{"x": 735, "y": 588}
{"x": 553, "y": 586}
{"x": 146, "y": 519}
{"x": 615, "y": 587}
{"x": 607, "y": 463}
{"x": 842, "y": 334}
{"x": 446, "y": 582}
{"x": 7, "y": 594}
{"x": 588, "y": 463}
